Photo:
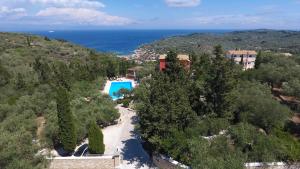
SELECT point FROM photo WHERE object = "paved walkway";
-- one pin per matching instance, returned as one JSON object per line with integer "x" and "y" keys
{"x": 122, "y": 138}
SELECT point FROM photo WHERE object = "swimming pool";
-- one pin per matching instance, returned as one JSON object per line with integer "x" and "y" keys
{"x": 116, "y": 86}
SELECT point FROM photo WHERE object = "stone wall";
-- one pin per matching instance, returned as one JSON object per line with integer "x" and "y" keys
{"x": 164, "y": 162}
{"x": 276, "y": 165}
{"x": 103, "y": 162}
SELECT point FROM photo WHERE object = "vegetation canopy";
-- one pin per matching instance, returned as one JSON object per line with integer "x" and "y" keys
{"x": 218, "y": 116}
{"x": 49, "y": 94}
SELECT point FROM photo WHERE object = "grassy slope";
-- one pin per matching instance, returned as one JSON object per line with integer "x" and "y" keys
{"x": 278, "y": 41}
{"x": 19, "y": 109}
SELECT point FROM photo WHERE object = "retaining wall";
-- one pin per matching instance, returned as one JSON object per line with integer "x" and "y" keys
{"x": 164, "y": 162}
{"x": 101, "y": 162}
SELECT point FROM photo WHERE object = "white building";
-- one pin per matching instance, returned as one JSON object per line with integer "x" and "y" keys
{"x": 244, "y": 57}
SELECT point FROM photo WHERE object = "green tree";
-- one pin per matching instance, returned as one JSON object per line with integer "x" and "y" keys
{"x": 254, "y": 104}
{"x": 162, "y": 107}
{"x": 110, "y": 70}
{"x": 20, "y": 83}
{"x": 216, "y": 154}
{"x": 96, "y": 145}
{"x": 173, "y": 68}
{"x": 220, "y": 83}
{"x": 62, "y": 75}
{"x": 123, "y": 68}
{"x": 258, "y": 60}
{"x": 80, "y": 71}
{"x": 4, "y": 75}
{"x": 43, "y": 70}
{"x": 242, "y": 60}
{"x": 28, "y": 40}
{"x": 197, "y": 89}
{"x": 292, "y": 88}
{"x": 271, "y": 74}
{"x": 46, "y": 38}
{"x": 94, "y": 66}
{"x": 67, "y": 130}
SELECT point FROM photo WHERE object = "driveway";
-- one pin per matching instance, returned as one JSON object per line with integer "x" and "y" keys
{"x": 122, "y": 138}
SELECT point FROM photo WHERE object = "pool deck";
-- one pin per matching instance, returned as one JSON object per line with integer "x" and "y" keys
{"x": 108, "y": 84}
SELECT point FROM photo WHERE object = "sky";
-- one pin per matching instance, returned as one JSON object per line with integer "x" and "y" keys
{"x": 148, "y": 14}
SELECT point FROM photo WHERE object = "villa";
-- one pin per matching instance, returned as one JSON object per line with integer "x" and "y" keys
{"x": 244, "y": 57}
{"x": 183, "y": 59}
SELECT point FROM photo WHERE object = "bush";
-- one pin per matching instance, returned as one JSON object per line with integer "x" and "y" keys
{"x": 46, "y": 38}
{"x": 217, "y": 154}
{"x": 96, "y": 145}
{"x": 126, "y": 103}
{"x": 212, "y": 126}
{"x": 290, "y": 145}
{"x": 254, "y": 104}
{"x": 279, "y": 146}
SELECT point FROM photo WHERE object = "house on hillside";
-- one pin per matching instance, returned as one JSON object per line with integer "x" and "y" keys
{"x": 183, "y": 59}
{"x": 246, "y": 58}
{"x": 132, "y": 72}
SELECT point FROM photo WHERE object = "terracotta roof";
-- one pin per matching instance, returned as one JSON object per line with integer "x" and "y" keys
{"x": 162, "y": 56}
{"x": 179, "y": 56}
{"x": 183, "y": 57}
{"x": 241, "y": 52}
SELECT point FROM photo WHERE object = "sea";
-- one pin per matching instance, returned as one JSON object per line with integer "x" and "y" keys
{"x": 120, "y": 42}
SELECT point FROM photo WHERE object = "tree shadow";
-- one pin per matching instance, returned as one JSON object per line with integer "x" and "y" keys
{"x": 293, "y": 128}
{"x": 81, "y": 150}
{"x": 60, "y": 151}
{"x": 134, "y": 120}
{"x": 133, "y": 152}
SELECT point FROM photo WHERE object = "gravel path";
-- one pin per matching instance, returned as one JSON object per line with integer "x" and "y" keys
{"x": 122, "y": 138}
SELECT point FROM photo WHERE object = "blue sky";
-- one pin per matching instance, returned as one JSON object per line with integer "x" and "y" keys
{"x": 149, "y": 14}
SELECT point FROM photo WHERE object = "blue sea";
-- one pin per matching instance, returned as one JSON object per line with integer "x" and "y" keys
{"x": 121, "y": 42}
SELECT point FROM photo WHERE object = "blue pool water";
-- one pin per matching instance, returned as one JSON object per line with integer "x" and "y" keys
{"x": 116, "y": 86}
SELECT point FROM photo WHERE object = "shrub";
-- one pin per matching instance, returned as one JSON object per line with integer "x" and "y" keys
{"x": 126, "y": 103}
{"x": 46, "y": 38}
{"x": 279, "y": 146}
{"x": 212, "y": 126}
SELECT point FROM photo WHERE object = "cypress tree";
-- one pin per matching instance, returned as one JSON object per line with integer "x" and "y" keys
{"x": 219, "y": 84}
{"x": 42, "y": 69}
{"x": 4, "y": 75}
{"x": 242, "y": 60}
{"x": 110, "y": 70}
{"x": 20, "y": 83}
{"x": 258, "y": 60}
{"x": 95, "y": 135}
{"x": 62, "y": 75}
{"x": 67, "y": 131}
{"x": 122, "y": 68}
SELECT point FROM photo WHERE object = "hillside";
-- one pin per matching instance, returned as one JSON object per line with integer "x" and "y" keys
{"x": 218, "y": 116}
{"x": 31, "y": 70}
{"x": 276, "y": 41}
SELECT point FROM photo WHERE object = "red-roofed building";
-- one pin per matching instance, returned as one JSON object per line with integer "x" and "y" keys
{"x": 183, "y": 59}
